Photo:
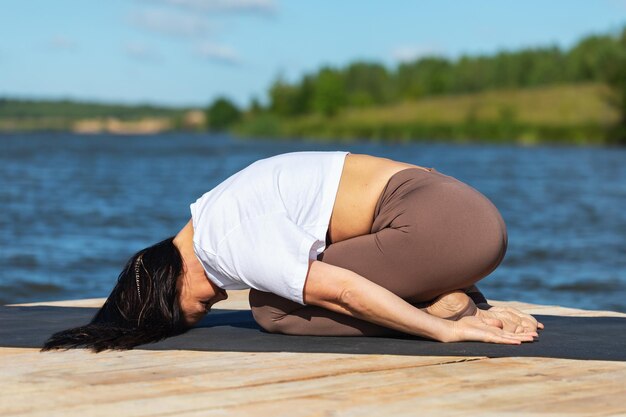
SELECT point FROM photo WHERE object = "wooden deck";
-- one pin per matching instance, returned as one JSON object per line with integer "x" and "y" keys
{"x": 187, "y": 383}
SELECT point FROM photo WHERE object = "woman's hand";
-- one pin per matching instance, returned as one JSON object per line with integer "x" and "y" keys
{"x": 511, "y": 319}
{"x": 484, "y": 329}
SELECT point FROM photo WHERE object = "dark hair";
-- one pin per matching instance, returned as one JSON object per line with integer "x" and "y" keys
{"x": 133, "y": 316}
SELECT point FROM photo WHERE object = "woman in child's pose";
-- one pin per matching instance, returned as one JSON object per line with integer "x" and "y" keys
{"x": 329, "y": 243}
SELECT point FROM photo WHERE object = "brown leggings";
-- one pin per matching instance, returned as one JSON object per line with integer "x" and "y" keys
{"x": 431, "y": 234}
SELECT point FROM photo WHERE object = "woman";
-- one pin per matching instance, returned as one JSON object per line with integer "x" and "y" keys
{"x": 329, "y": 243}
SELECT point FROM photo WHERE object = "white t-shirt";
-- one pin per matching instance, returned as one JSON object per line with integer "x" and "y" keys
{"x": 259, "y": 227}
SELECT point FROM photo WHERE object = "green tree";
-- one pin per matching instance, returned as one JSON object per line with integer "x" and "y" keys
{"x": 546, "y": 67}
{"x": 255, "y": 106}
{"x": 471, "y": 74}
{"x": 614, "y": 73}
{"x": 586, "y": 61}
{"x": 424, "y": 77}
{"x": 330, "y": 94}
{"x": 291, "y": 100}
{"x": 221, "y": 114}
{"x": 281, "y": 97}
{"x": 302, "y": 100}
{"x": 367, "y": 84}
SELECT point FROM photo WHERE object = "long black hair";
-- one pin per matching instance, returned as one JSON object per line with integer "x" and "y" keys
{"x": 142, "y": 308}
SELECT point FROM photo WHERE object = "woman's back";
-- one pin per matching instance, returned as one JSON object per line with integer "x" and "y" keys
{"x": 362, "y": 182}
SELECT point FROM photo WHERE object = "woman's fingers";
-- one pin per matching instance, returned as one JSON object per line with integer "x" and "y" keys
{"x": 505, "y": 325}
{"x": 519, "y": 334}
{"x": 523, "y": 329}
{"x": 510, "y": 318}
{"x": 508, "y": 338}
{"x": 513, "y": 317}
{"x": 528, "y": 320}
{"x": 527, "y": 324}
{"x": 494, "y": 322}
{"x": 489, "y": 319}
{"x": 480, "y": 329}
{"x": 524, "y": 316}
{"x": 508, "y": 321}
{"x": 510, "y": 325}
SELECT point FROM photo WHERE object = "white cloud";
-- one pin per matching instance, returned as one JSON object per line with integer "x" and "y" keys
{"x": 171, "y": 24}
{"x": 194, "y": 22}
{"x": 61, "y": 42}
{"x": 217, "y": 53}
{"x": 407, "y": 53}
{"x": 141, "y": 52}
{"x": 267, "y": 7}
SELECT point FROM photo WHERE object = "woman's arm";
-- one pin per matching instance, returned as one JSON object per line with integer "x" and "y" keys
{"x": 344, "y": 291}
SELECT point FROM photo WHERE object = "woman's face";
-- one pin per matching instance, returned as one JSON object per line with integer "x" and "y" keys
{"x": 197, "y": 296}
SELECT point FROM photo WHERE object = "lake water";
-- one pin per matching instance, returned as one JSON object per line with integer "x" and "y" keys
{"x": 75, "y": 207}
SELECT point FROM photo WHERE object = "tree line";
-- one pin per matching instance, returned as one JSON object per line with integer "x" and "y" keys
{"x": 595, "y": 58}
{"x": 72, "y": 110}
{"x": 362, "y": 84}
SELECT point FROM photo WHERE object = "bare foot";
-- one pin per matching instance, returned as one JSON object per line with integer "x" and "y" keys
{"x": 452, "y": 306}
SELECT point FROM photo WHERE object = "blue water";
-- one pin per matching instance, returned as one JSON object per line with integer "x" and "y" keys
{"x": 75, "y": 207}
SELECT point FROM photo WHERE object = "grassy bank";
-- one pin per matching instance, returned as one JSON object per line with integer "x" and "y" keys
{"x": 567, "y": 113}
{"x": 86, "y": 117}
{"x": 574, "y": 113}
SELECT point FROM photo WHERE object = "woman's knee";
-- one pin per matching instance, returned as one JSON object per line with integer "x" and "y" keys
{"x": 264, "y": 319}
{"x": 269, "y": 310}
{"x": 469, "y": 237}
{"x": 487, "y": 238}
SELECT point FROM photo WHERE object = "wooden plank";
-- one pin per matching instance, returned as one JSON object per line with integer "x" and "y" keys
{"x": 194, "y": 383}
{"x": 187, "y": 383}
{"x": 33, "y": 381}
{"x": 554, "y": 310}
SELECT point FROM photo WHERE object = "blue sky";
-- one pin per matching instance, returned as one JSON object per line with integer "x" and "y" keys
{"x": 188, "y": 52}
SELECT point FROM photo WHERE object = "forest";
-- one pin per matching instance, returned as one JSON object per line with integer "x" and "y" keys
{"x": 581, "y": 93}
{"x": 530, "y": 95}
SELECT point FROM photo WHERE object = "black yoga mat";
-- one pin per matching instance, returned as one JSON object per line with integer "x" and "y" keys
{"x": 598, "y": 338}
